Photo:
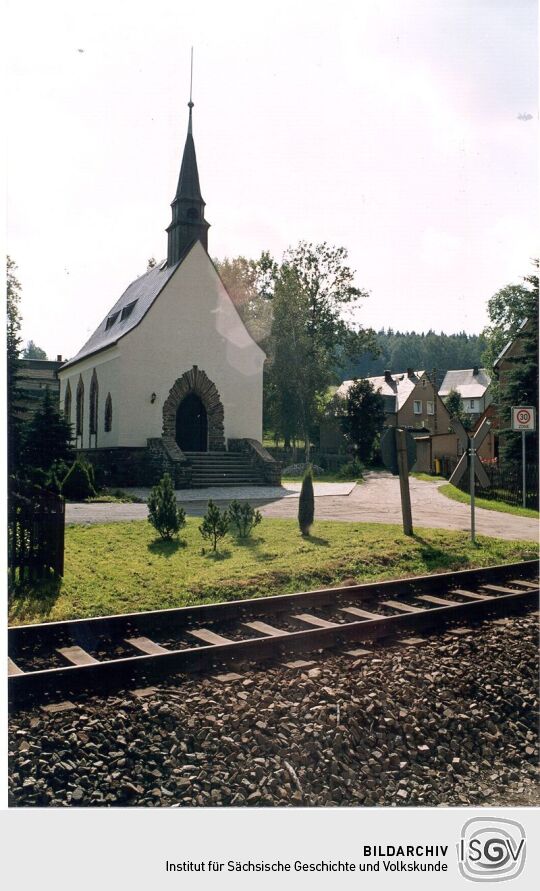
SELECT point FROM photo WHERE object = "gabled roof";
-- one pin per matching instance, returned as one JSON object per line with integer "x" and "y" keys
{"x": 142, "y": 292}
{"x": 395, "y": 394}
{"x": 508, "y": 347}
{"x": 465, "y": 382}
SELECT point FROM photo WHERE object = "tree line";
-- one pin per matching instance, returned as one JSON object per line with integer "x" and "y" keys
{"x": 399, "y": 350}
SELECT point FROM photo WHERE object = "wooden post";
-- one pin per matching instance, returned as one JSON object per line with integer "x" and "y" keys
{"x": 403, "y": 467}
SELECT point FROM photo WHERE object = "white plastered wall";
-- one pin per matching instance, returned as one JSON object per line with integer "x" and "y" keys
{"x": 106, "y": 365}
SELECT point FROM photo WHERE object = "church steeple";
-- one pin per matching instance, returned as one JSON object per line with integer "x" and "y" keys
{"x": 188, "y": 223}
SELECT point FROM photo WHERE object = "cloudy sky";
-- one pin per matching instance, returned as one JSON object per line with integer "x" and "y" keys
{"x": 405, "y": 130}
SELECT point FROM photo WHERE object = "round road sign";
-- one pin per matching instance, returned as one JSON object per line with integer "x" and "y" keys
{"x": 523, "y": 418}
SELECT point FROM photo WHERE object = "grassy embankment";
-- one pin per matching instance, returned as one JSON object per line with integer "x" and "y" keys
{"x": 457, "y": 495}
{"x": 121, "y": 567}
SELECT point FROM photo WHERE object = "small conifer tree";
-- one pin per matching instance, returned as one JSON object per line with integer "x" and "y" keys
{"x": 215, "y": 524}
{"x": 243, "y": 517}
{"x": 306, "y": 504}
{"x": 163, "y": 512}
{"x": 77, "y": 485}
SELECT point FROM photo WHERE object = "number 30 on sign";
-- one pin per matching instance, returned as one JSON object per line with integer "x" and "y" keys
{"x": 523, "y": 417}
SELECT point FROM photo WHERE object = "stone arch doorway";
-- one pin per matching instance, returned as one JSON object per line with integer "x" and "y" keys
{"x": 192, "y": 424}
{"x": 195, "y": 383}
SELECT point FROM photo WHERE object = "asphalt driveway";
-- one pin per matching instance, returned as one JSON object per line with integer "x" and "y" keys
{"x": 377, "y": 500}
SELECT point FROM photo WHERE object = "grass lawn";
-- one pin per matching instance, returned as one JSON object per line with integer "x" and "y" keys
{"x": 429, "y": 477}
{"x": 457, "y": 495}
{"x": 121, "y": 567}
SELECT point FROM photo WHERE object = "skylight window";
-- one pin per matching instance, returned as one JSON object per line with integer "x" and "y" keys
{"x": 127, "y": 310}
{"x": 111, "y": 320}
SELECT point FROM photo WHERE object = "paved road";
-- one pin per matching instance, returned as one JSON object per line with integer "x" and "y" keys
{"x": 376, "y": 501}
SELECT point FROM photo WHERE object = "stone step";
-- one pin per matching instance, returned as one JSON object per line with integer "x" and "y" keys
{"x": 226, "y": 483}
{"x": 228, "y": 480}
{"x": 200, "y": 462}
{"x": 217, "y": 473}
{"x": 199, "y": 465}
{"x": 225, "y": 455}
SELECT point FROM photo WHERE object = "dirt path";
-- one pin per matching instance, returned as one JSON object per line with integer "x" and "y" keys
{"x": 375, "y": 501}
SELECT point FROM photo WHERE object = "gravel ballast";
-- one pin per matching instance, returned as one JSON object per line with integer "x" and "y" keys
{"x": 450, "y": 720}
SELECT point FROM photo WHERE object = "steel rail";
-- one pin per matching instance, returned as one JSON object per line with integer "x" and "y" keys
{"x": 118, "y": 672}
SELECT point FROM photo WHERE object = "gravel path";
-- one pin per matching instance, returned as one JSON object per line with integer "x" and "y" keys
{"x": 450, "y": 720}
{"x": 377, "y": 500}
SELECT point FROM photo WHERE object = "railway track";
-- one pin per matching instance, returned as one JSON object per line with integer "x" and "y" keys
{"x": 54, "y": 659}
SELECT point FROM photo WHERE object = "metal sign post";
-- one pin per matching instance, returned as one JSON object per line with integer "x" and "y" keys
{"x": 523, "y": 474}
{"x": 524, "y": 419}
{"x": 470, "y": 445}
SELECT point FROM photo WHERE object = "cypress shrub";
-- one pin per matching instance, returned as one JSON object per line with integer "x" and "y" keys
{"x": 306, "y": 504}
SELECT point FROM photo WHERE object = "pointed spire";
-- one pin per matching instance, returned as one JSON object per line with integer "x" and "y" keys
{"x": 188, "y": 223}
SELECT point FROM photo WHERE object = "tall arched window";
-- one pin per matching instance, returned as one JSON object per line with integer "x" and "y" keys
{"x": 79, "y": 408}
{"x": 67, "y": 402}
{"x": 108, "y": 413}
{"x": 94, "y": 403}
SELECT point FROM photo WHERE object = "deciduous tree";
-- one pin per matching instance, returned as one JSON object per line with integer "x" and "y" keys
{"x": 362, "y": 418}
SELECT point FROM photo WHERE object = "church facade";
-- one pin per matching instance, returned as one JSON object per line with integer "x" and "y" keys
{"x": 171, "y": 380}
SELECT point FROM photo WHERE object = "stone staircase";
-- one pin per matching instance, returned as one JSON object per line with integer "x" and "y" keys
{"x": 223, "y": 469}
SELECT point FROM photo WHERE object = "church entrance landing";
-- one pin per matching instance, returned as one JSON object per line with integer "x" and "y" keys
{"x": 192, "y": 425}
{"x": 193, "y": 414}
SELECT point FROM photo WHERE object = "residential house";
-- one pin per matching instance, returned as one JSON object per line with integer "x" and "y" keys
{"x": 34, "y": 378}
{"x": 473, "y": 385}
{"x": 410, "y": 401}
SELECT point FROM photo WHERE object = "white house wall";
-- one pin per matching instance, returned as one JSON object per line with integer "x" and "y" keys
{"x": 106, "y": 365}
{"x": 192, "y": 322}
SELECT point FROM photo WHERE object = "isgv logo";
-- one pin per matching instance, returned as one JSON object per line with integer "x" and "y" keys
{"x": 491, "y": 849}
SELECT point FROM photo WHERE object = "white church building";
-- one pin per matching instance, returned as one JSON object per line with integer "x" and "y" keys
{"x": 171, "y": 380}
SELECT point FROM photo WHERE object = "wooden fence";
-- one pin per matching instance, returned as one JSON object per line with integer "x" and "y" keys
{"x": 36, "y": 526}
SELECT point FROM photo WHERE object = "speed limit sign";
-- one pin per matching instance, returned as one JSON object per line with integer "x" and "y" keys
{"x": 523, "y": 417}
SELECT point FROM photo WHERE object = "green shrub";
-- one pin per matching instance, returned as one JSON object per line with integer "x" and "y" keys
{"x": 306, "y": 505}
{"x": 352, "y": 470}
{"x": 163, "y": 512}
{"x": 243, "y": 518}
{"x": 215, "y": 524}
{"x": 77, "y": 485}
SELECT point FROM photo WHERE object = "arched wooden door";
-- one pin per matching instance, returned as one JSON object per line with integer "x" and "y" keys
{"x": 192, "y": 425}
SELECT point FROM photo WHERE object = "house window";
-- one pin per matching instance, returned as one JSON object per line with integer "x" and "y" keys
{"x": 472, "y": 404}
{"x": 111, "y": 320}
{"x": 67, "y": 402}
{"x": 417, "y": 408}
{"x": 93, "y": 403}
{"x": 430, "y": 408}
{"x": 79, "y": 408}
{"x": 108, "y": 413}
{"x": 127, "y": 310}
